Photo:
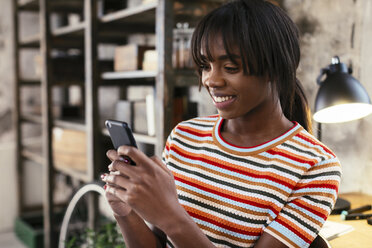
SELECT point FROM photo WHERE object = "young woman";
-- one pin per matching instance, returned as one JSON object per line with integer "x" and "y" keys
{"x": 251, "y": 176}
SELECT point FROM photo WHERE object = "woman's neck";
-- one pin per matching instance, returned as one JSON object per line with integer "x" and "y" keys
{"x": 253, "y": 130}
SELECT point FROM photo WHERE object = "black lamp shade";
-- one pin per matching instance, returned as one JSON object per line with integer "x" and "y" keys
{"x": 340, "y": 97}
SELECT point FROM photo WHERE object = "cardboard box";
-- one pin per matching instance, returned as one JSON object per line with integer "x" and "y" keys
{"x": 69, "y": 149}
{"x": 150, "y": 61}
{"x": 129, "y": 57}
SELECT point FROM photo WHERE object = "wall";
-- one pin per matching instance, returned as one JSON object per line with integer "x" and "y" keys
{"x": 343, "y": 28}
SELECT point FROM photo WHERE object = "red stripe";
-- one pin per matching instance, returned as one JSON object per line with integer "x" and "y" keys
{"x": 194, "y": 133}
{"x": 319, "y": 214}
{"x": 272, "y": 152}
{"x": 202, "y": 159}
{"x": 315, "y": 143}
{"x": 230, "y": 228}
{"x": 228, "y": 196}
{"x": 313, "y": 185}
{"x": 293, "y": 230}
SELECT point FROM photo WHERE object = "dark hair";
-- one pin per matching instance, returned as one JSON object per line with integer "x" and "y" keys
{"x": 268, "y": 41}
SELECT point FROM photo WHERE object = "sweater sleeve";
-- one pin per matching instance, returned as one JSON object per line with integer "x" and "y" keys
{"x": 166, "y": 151}
{"x": 308, "y": 206}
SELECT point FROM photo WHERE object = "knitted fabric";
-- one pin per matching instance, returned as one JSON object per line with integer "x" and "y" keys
{"x": 285, "y": 187}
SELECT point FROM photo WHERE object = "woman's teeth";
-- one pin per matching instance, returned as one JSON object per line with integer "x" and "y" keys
{"x": 221, "y": 98}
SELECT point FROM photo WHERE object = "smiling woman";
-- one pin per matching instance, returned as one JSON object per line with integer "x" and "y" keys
{"x": 251, "y": 176}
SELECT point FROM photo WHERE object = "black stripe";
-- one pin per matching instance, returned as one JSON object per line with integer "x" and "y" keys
{"x": 243, "y": 160}
{"x": 314, "y": 230}
{"x": 248, "y": 190}
{"x": 223, "y": 242}
{"x": 323, "y": 174}
{"x": 229, "y": 214}
{"x": 302, "y": 151}
{"x": 196, "y": 124}
{"x": 325, "y": 203}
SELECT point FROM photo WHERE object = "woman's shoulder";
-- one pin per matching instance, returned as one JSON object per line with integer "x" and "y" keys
{"x": 313, "y": 147}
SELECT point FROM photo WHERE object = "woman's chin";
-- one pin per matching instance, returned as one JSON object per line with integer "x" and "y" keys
{"x": 225, "y": 115}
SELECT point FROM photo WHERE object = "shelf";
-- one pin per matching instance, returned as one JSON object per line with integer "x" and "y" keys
{"x": 29, "y": 82}
{"x": 183, "y": 78}
{"x": 74, "y": 125}
{"x": 68, "y": 82}
{"x": 142, "y": 138}
{"x": 142, "y": 14}
{"x": 116, "y": 26}
{"x": 60, "y": 82}
{"x": 74, "y": 6}
{"x": 71, "y": 36}
{"x": 33, "y": 118}
{"x": 33, "y": 154}
{"x": 128, "y": 75}
{"x": 76, "y": 29}
{"x": 28, "y": 5}
{"x": 32, "y": 41}
{"x": 145, "y": 138}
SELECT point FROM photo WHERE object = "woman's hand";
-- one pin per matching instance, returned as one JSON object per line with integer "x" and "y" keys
{"x": 118, "y": 206}
{"x": 148, "y": 187}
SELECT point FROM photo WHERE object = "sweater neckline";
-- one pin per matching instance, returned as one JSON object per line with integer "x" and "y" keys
{"x": 242, "y": 151}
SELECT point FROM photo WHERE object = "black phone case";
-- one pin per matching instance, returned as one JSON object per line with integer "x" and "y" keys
{"x": 120, "y": 133}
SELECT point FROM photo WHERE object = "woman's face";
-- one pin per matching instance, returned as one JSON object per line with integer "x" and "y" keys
{"x": 234, "y": 94}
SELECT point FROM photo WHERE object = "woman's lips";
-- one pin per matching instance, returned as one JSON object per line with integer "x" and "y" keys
{"x": 222, "y": 102}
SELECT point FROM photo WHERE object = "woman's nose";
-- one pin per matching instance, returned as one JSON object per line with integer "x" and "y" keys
{"x": 214, "y": 79}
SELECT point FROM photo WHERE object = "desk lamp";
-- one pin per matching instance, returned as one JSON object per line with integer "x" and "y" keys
{"x": 340, "y": 98}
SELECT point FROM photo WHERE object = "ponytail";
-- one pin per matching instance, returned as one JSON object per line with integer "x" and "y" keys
{"x": 297, "y": 108}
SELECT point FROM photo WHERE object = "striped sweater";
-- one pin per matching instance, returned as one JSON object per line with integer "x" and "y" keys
{"x": 285, "y": 187}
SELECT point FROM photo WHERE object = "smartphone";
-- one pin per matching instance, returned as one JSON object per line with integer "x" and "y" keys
{"x": 120, "y": 134}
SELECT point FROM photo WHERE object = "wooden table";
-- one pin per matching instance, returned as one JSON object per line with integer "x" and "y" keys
{"x": 361, "y": 237}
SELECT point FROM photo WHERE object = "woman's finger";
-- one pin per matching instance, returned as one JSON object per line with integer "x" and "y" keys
{"x": 117, "y": 192}
{"x": 124, "y": 169}
{"x": 116, "y": 180}
{"x": 112, "y": 155}
{"x": 136, "y": 155}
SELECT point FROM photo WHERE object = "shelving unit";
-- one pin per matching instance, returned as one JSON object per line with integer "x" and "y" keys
{"x": 157, "y": 18}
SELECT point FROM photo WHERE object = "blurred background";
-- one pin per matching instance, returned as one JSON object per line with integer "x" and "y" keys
{"x": 67, "y": 66}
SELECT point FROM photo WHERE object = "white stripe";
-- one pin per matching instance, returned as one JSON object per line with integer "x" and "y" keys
{"x": 232, "y": 190}
{"x": 222, "y": 207}
{"x": 237, "y": 243}
{"x": 245, "y": 166}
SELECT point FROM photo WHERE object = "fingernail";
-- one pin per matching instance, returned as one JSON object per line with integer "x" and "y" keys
{"x": 103, "y": 176}
{"x": 124, "y": 159}
{"x": 105, "y": 186}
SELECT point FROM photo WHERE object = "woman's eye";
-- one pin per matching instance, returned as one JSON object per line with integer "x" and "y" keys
{"x": 231, "y": 69}
{"x": 205, "y": 67}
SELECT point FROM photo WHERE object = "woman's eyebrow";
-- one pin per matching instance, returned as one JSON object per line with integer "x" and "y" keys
{"x": 228, "y": 57}
{"x": 223, "y": 57}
